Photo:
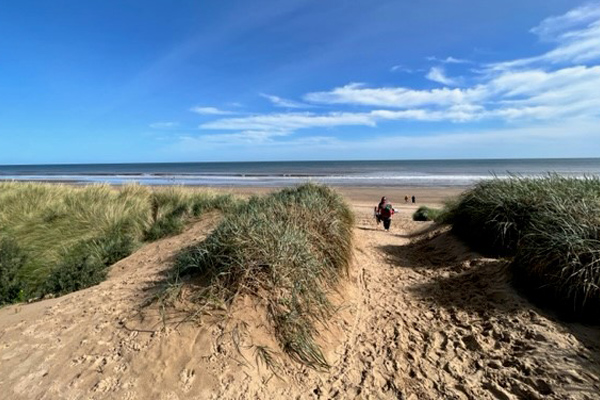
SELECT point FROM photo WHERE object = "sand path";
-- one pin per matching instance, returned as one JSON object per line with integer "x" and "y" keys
{"x": 428, "y": 320}
{"x": 438, "y": 321}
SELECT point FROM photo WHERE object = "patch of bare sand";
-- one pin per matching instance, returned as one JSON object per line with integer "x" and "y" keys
{"x": 417, "y": 320}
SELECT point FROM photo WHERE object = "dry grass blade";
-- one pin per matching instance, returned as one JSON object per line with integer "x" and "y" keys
{"x": 267, "y": 357}
{"x": 289, "y": 249}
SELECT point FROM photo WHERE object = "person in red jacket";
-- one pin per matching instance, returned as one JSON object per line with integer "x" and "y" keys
{"x": 385, "y": 212}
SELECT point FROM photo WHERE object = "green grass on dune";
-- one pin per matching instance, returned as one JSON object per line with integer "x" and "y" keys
{"x": 287, "y": 249}
{"x": 66, "y": 236}
{"x": 425, "y": 213}
{"x": 548, "y": 226}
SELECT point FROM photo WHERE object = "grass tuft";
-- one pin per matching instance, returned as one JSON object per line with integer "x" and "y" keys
{"x": 287, "y": 249}
{"x": 12, "y": 260}
{"x": 550, "y": 228}
{"x": 425, "y": 213}
{"x": 68, "y": 235}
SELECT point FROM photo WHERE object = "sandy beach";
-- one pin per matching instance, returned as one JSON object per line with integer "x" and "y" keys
{"x": 419, "y": 317}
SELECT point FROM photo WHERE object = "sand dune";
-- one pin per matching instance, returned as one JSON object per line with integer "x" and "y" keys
{"x": 419, "y": 318}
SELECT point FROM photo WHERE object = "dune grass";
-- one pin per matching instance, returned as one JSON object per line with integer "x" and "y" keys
{"x": 286, "y": 249}
{"x": 66, "y": 236}
{"x": 550, "y": 228}
{"x": 425, "y": 213}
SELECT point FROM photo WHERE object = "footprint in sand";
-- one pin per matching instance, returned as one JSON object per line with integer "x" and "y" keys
{"x": 186, "y": 378}
{"x": 471, "y": 343}
{"x": 106, "y": 385}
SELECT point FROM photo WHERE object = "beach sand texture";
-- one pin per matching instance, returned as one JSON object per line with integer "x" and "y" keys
{"x": 418, "y": 319}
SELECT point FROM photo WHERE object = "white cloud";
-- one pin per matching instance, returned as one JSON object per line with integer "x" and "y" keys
{"x": 517, "y": 92}
{"x": 553, "y": 27}
{"x": 547, "y": 140}
{"x": 401, "y": 68}
{"x": 262, "y": 140}
{"x": 284, "y": 103}
{"x": 290, "y": 121}
{"x": 577, "y": 38}
{"x": 531, "y": 93}
{"x": 567, "y": 92}
{"x": 396, "y": 97}
{"x": 449, "y": 60}
{"x": 164, "y": 125}
{"x": 437, "y": 74}
{"x": 209, "y": 111}
{"x": 248, "y": 136}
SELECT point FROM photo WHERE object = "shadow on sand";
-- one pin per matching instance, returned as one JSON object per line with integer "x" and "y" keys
{"x": 460, "y": 279}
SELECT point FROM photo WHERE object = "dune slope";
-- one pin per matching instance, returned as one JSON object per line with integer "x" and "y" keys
{"x": 422, "y": 320}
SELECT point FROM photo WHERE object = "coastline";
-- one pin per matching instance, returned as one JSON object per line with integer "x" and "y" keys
{"x": 391, "y": 173}
{"x": 427, "y": 195}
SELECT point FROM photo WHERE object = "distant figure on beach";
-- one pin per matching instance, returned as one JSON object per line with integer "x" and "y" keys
{"x": 414, "y": 199}
{"x": 384, "y": 213}
{"x": 406, "y": 199}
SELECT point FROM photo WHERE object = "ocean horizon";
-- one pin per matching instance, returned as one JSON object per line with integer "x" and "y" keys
{"x": 422, "y": 173}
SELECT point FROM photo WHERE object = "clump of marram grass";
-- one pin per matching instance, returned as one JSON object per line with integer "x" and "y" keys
{"x": 288, "y": 249}
{"x": 425, "y": 213}
{"x": 68, "y": 235}
{"x": 12, "y": 260}
{"x": 560, "y": 256}
{"x": 549, "y": 225}
{"x": 172, "y": 207}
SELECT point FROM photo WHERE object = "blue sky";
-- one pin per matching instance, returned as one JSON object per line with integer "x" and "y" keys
{"x": 157, "y": 81}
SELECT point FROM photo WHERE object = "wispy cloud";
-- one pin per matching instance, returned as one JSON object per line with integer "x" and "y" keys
{"x": 437, "y": 74}
{"x": 164, "y": 125}
{"x": 577, "y": 38}
{"x": 401, "y": 68}
{"x": 210, "y": 111}
{"x": 531, "y": 93}
{"x": 284, "y": 103}
{"x": 449, "y": 60}
{"x": 261, "y": 141}
{"x": 289, "y": 121}
{"x": 396, "y": 97}
{"x": 248, "y": 136}
{"x": 488, "y": 142}
{"x": 553, "y": 28}
{"x": 534, "y": 90}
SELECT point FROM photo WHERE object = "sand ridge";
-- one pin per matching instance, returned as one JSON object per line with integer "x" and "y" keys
{"x": 418, "y": 319}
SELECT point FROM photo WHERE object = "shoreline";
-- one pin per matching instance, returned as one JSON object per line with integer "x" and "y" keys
{"x": 355, "y": 194}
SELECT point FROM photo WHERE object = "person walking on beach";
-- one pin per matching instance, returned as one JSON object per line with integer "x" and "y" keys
{"x": 414, "y": 199}
{"x": 385, "y": 212}
{"x": 406, "y": 199}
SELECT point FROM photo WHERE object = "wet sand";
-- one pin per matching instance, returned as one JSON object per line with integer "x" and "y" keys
{"x": 372, "y": 194}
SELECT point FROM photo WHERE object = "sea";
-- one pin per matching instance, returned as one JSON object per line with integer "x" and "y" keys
{"x": 417, "y": 173}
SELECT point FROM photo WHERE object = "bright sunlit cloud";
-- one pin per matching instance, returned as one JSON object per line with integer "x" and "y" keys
{"x": 558, "y": 85}
{"x": 284, "y": 103}
{"x": 438, "y": 74}
{"x": 164, "y": 125}
{"x": 209, "y": 111}
{"x": 449, "y": 60}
